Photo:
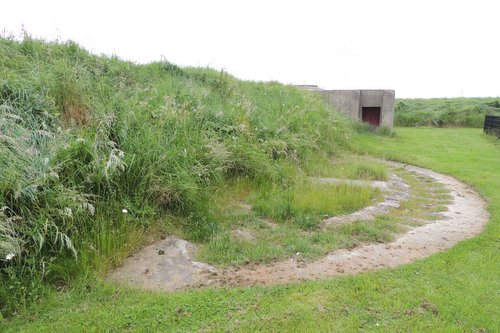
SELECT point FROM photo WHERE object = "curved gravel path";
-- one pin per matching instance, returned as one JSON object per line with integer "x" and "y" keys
{"x": 166, "y": 265}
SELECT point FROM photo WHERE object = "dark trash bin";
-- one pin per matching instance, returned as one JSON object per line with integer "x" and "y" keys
{"x": 492, "y": 125}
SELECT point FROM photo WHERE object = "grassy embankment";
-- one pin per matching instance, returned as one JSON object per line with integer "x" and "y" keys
{"x": 99, "y": 156}
{"x": 445, "y": 112}
{"x": 453, "y": 291}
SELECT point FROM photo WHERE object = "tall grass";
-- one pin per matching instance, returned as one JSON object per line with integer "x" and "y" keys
{"x": 317, "y": 200}
{"x": 347, "y": 167}
{"x": 95, "y": 151}
{"x": 445, "y": 112}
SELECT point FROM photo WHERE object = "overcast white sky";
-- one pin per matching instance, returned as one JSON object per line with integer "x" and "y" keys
{"x": 423, "y": 48}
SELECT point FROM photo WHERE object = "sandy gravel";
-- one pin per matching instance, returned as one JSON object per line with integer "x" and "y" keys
{"x": 166, "y": 265}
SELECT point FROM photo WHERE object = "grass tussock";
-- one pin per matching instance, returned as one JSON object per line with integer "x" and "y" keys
{"x": 347, "y": 167}
{"x": 317, "y": 199}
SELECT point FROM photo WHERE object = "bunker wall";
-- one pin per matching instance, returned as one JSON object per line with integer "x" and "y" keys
{"x": 344, "y": 101}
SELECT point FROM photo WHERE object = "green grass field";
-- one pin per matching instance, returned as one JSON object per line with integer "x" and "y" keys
{"x": 453, "y": 291}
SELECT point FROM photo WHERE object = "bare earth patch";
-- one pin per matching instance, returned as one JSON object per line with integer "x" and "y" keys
{"x": 167, "y": 264}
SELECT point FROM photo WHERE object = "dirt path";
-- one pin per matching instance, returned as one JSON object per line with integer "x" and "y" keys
{"x": 166, "y": 265}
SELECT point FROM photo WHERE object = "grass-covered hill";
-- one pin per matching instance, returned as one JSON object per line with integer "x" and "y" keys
{"x": 97, "y": 154}
{"x": 445, "y": 112}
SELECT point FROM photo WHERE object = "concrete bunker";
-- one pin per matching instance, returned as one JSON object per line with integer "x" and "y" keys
{"x": 375, "y": 107}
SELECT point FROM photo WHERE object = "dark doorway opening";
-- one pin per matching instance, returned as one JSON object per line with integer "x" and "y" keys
{"x": 371, "y": 115}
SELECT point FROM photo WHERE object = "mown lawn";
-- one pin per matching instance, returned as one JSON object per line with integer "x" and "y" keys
{"x": 454, "y": 291}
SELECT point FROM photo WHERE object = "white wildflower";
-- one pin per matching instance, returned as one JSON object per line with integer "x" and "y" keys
{"x": 54, "y": 175}
{"x": 80, "y": 140}
{"x": 124, "y": 211}
{"x": 10, "y": 256}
